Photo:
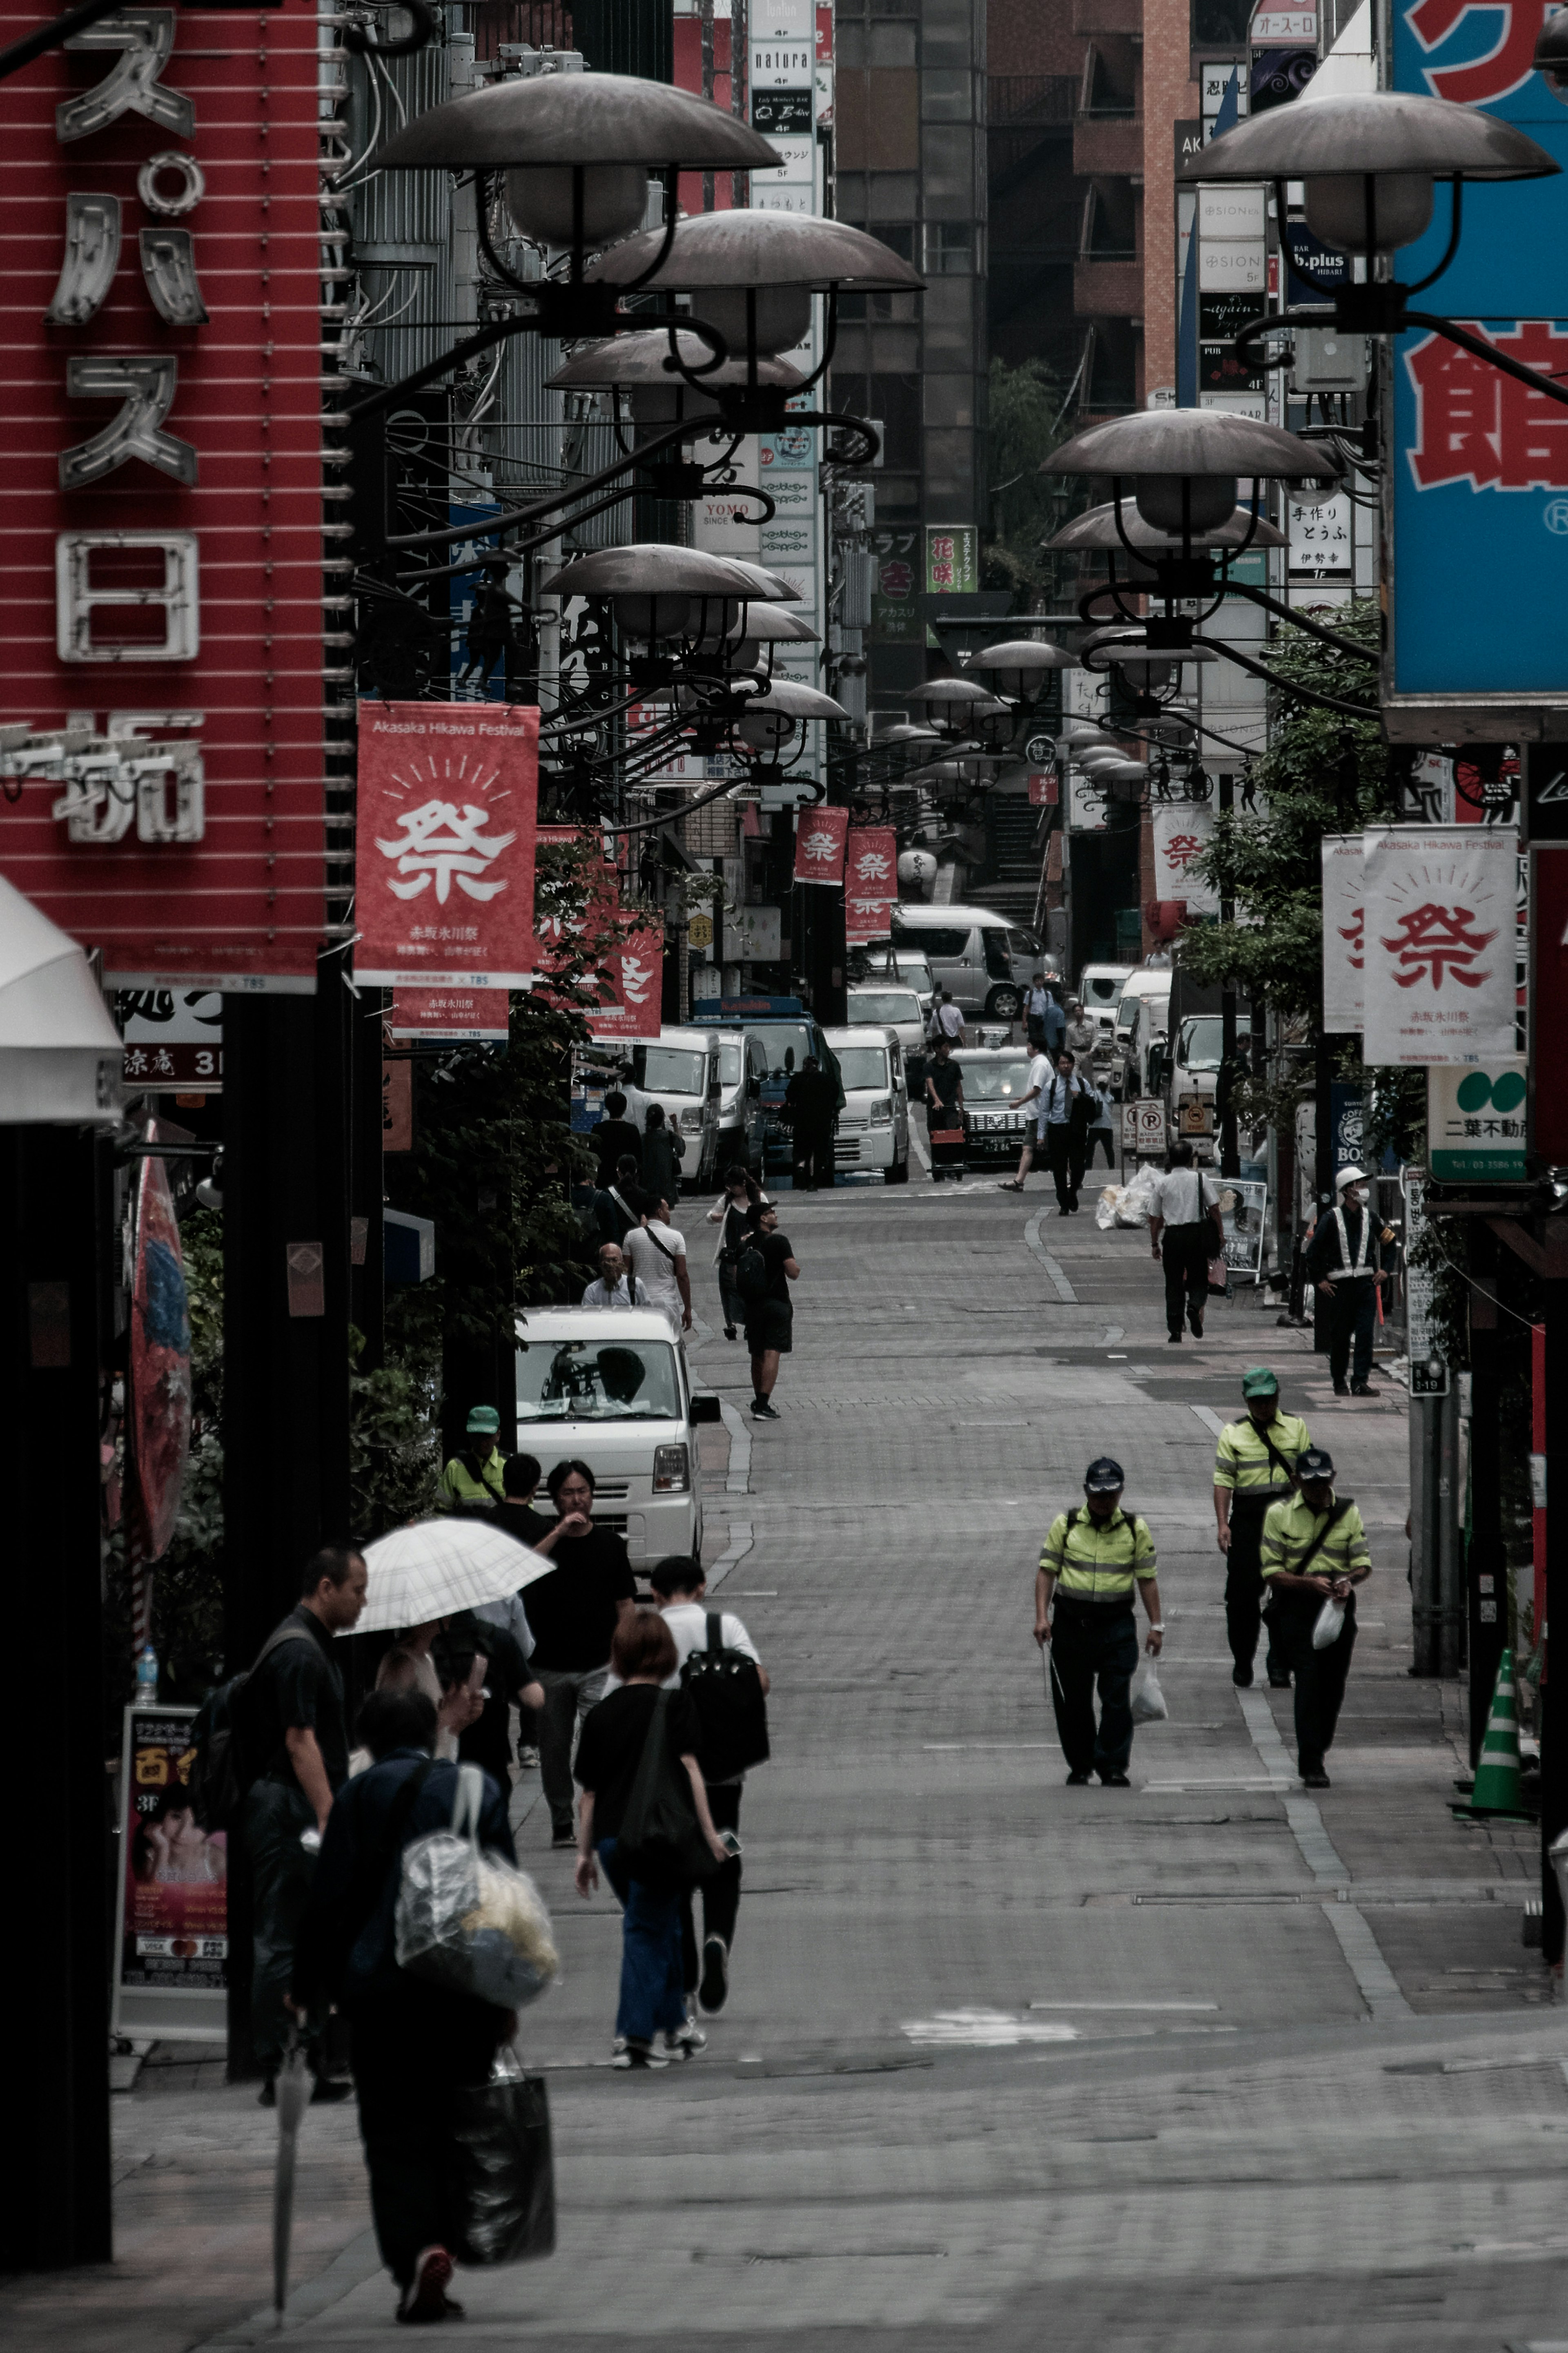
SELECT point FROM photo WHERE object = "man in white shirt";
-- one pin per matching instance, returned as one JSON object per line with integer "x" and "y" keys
{"x": 1039, "y": 1079}
{"x": 636, "y": 1102}
{"x": 615, "y": 1287}
{"x": 1061, "y": 1126}
{"x": 1185, "y": 1230}
{"x": 946, "y": 1019}
{"x": 656, "y": 1252}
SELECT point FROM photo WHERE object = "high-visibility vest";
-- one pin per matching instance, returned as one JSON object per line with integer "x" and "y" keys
{"x": 1242, "y": 1461}
{"x": 1098, "y": 1560}
{"x": 460, "y": 1487}
{"x": 1288, "y": 1529}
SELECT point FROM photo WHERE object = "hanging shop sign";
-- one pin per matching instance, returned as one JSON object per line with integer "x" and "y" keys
{"x": 171, "y": 1938}
{"x": 174, "y": 1040}
{"x": 161, "y": 719}
{"x": 1344, "y": 935}
{"x": 870, "y": 880}
{"x": 1440, "y": 983}
{"x": 159, "y": 1357}
{"x": 449, "y": 796}
{"x": 1476, "y": 1122}
{"x": 1181, "y": 830}
{"x": 820, "y": 837}
{"x": 450, "y": 1016}
{"x": 630, "y": 984}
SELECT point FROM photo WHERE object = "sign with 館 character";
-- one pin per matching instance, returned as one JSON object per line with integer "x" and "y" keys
{"x": 161, "y": 494}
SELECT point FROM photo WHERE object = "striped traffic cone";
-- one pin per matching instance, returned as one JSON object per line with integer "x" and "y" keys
{"x": 1496, "y": 1789}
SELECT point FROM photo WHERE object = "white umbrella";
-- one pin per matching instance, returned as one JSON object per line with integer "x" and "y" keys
{"x": 438, "y": 1566}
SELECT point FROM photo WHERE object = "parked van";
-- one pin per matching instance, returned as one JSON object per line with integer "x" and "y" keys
{"x": 888, "y": 1005}
{"x": 610, "y": 1386}
{"x": 874, "y": 1125}
{"x": 1186, "y": 1065}
{"x": 1099, "y": 988}
{"x": 1142, "y": 1023}
{"x": 985, "y": 961}
{"x": 680, "y": 1069}
{"x": 743, "y": 1068}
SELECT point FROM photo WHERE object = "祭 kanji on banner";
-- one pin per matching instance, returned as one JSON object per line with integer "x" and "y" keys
{"x": 605, "y": 961}
{"x": 450, "y": 1016}
{"x": 821, "y": 834}
{"x": 1344, "y": 933}
{"x": 633, "y": 973}
{"x": 870, "y": 880}
{"x": 1439, "y": 943}
{"x": 1181, "y": 830}
{"x": 448, "y": 796}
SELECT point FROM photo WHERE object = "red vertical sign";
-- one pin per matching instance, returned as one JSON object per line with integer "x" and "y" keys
{"x": 870, "y": 880}
{"x": 819, "y": 839}
{"x": 160, "y": 492}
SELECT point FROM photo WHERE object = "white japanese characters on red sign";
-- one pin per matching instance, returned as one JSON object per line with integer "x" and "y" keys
{"x": 819, "y": 844}
{"x": 870, "y": 880}
{"x": 1439, "y": 943}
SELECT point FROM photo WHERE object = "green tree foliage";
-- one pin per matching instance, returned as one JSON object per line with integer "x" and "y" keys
{"x": 1027, "y": 420}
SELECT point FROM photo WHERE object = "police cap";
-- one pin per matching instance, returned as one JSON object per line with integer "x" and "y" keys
{"x": 1103, "y": 1476}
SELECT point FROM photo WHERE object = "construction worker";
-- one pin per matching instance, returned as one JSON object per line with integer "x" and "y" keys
{"x": 1089, "y": 1562}
{"x": 1314, "y": 1550}
{"x": 1253, "y": 1466}
{"x": 1344, "y": 1259}
{"x": 472, "y": 1481}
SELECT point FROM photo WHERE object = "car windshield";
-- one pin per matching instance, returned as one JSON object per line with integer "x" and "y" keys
{"x": 1024, "y": 944}
{"x": 598, "y": 1380}
{"x": 911, "y": 967}
{"x": 1000, "y": 1081}
{"x": 944, "y": 940}
{"x": 670, "y": 1071}
{"x": 786, "y": 1044}
{"x": 1100, "y": 988}
{"x": 732, "y": 1062}
{"x": 1203, "y": 1042}
{"x": 863, "y": 1066}
{"x": 893, "y": 1005}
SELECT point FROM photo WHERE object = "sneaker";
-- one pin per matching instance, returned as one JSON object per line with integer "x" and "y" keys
{"x": 1078, "y": 1781}
{"x": 729, "y": 1331}
{"x": 762, "y": 1411}
{"x": 562, "y": 1834}
{"x": 1241, "y": 1677}
{"x": 1173, "y": 1340}
{"x": 1341, "y": 1388}
{"x": 629, "y": 2054}
{"x": 528, "y": 1758}
{"x": 714, "y": 1990}
{"x": 424, "y": 2298}
{"x": 1363, "y": 1389}
{"x": 1115, "y": 1781}
{"x": 686, "y": 2042}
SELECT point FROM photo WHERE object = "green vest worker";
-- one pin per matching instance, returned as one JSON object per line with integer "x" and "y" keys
{"x": 472, "y": 1481}
{"x": 1253, "y": 1466}
{"x": 1090, "y": 1561}
{"x": 1314, "y": 1547}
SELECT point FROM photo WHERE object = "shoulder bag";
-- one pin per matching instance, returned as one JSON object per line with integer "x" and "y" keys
{"x": 661, "y": 1843}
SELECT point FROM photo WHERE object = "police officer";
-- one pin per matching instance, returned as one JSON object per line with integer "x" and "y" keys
{"x": 1089, "y": 1562}
{"x": 1314, "y": 1550}
{"x": 1344, "y": 1259}
{"x": 472, "y": 1481}
{"x": 1253, "y": 1466}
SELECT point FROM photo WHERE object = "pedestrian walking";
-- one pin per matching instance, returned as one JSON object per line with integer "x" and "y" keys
{"x": 471, "y": 1481}
{"x": 413, "y": 2043}
{"x": 615, "y": 1138}
{"x": 742, "y": 1193}
{"x": 662, "y": 1153}
{"x": 627, "y": 1199}
{"x": 945, "y": 1114}
{"x": 503, "y": 1643}
{"x": 652, "y": 1996}
{"x": 1344, "y": 1259}
{"x": 1185, "y": 1233}
{"x": 295, "y": 1743}
{"x": 946, "y": 1021}
{"x": 1062, "y": 1125}
{"x": 1045, "y": 1026}
{"x": 521, "y": 1475}
{"x": 656, "y": 1254}
{"x": 1314, "y": 1551}
{"x": 1101, "y": 1129}
{"x": 1255, "y": 1466}
{"x": 573, "y": 1615}
{"x": 1041, "y": 1071}
{"x": 767, "y": 1268}
{"x": 614, "y": 1285}
{"x": 1089, "y": 1562}
{"x": 811, "y": 1111}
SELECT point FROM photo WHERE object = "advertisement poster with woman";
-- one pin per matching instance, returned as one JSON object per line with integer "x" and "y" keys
{"x": 172, "y": 1927}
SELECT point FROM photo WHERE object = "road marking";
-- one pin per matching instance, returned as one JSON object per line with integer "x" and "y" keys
{"x": 1124, "y": 2005}
{"x": 918, "y": 1149}
{"x": 1210, "y": 1419}
{"x": 1053, "y": 1267}
{"x": 985, "y": 2030}
{"x": 741, "y": 1542}
{"x": 1379, "y": 1986}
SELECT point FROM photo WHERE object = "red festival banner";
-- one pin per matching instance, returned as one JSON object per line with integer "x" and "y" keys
{"x": 870, "y": 882}
{"x": 161, "y": 493}
{"x": 450, "y": 1016}
{"x": 819, "y": 841}
{"x": 449, "y": 796}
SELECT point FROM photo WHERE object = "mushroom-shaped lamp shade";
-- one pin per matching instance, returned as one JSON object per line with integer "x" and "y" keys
{"x": 1021, "y": 667}
{"x": 771, "y": 719}
{"x": 1096, "y": 527}
{"x": 637, "y": 364}
{"x": 1185, "y": 462}
{"x": 602, "y": 124}
{"x": 761, "y": 250}
{"x": 658, "y": 592}
{"x": 1551, "y": 53}
{"x": 543, "y": 201}
{"x": 940, "y": 692}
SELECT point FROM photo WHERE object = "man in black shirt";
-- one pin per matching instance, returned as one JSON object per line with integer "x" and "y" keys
{"x": 944, "y": 1109}
{"x": 616, "y": 1139}
{"x": 296, "y": 1745}
{"x": 573, "y": 1615}
{"x": 770, "y": 1321}
{"x": 811, "y": 1109}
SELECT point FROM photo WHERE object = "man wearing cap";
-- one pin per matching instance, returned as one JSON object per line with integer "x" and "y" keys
{"x": 472, "y": 1481}
{"x": 1344, "y": 1259}
{"x": 1253, "y": 1467}
{"x": 1090, "y": 1561}
{"x": 1314, "y": 1550}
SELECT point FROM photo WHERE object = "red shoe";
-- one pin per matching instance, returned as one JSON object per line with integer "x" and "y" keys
{"x": 424, "y": 2298}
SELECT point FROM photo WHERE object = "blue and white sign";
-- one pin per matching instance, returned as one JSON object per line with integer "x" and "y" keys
{"x": 1479, "y": 467}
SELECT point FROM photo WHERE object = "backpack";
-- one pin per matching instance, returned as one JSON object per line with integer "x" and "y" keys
{"x": 660, "y": 1841}
{"x": 732, "y": 1711}
{"x": 221, "y": 1770}
{"x": 752, "y": 1274}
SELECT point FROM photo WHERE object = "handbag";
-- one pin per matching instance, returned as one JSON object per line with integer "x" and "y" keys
{"x": 660, "y": 1842}
{"x": 1219, "y": 1278}
{"x": 502, "y": 2168}
{"x": 470, "y": 1921}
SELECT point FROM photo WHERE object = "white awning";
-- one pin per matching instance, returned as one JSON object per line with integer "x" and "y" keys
{"x": 60, "y": 1054}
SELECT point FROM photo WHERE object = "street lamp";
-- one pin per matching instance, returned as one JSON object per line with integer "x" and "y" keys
{"x": 1021, "y": 668}
{"x": 638, "y": 365}
{"x": 1099, "y": 527}
{"x": 1551, "y": 53}
{"x": 671, "y": 595}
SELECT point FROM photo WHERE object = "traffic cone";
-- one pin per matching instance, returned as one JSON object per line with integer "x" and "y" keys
{"x": 1496, "y": 1789}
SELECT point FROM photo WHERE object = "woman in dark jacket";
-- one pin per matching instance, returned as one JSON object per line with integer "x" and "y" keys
{"x": 662, "y": 1153}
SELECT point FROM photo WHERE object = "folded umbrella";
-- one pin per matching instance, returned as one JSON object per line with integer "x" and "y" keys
{"x": 292, "y": 2089}
{"x": 439, "y": 1567}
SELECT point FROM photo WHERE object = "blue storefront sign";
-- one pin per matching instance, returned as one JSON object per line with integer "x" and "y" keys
{"x": 1479, "y": 481}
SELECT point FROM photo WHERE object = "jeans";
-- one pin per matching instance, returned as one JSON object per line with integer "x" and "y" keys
{"x": 276, "y": 1813}
{"x": 720, "y": 1894}
{"x": 1185, "y": 1253}
{"x": 1098, "y": 1136}
{"x": 1244, "y": 1588}
{"x": 652, "y": 1994}
{"x": 1091, "y": 1640}
{"x": 1319, "y": 1675}
{"x": 569, "y": 1694}
{"x": 1352, "y": 1318}
{"x": 410, "y": 2051}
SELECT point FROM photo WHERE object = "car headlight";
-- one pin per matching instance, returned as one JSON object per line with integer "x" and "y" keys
{"x": 691, "y": 1122}
{"x": 671, "y": 1470}
{"x": 881, "y": 1110}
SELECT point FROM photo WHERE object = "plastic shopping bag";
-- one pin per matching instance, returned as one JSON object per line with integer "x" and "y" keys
{"x": 1330, "y": 1625}
{"x": 1148, "y": 1699}
{"x": 503, "y": 2172}
{"x": 469, "y": 1920}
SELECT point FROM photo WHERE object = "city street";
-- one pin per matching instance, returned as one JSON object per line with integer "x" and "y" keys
{"x": 1204, "y": 2061}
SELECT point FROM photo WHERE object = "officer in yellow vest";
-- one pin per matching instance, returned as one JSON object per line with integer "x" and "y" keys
{"x": 1314, "y": 1550}
{"x": 1253, "y": 1466}
{"x": 472, "y": 1481}
{"x": 1089, "y": 1562}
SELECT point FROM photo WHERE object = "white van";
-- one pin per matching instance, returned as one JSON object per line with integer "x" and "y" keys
{"x": 1142, "y": 1022}
{"x": 680, "y": 1069}
{"x": 742, "y": 1067}
{"x": 985, "y": 961}
{"x": 891, "y": 1005}
{"x": 874, "y": 1125}
{"x": 610, "y": 1386}
{"x": 1099, "y": 991}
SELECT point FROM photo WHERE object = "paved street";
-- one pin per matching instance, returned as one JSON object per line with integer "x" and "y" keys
{"x": 1202, "y": 2061}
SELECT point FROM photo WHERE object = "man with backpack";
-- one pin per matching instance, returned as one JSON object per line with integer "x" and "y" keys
{"x": 766, "y": 1268}
{"x": 1315, "y": 1552}
{"x": 1089, "y": 1562}
{"x": 293, "y": 1750}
